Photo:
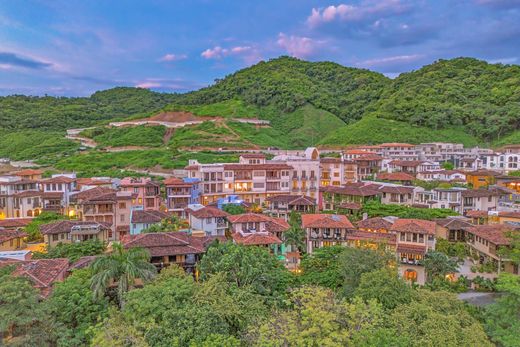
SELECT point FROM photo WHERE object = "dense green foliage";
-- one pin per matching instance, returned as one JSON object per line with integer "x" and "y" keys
{"x": 142, "y": 135}
{"x": 34, "y": 144}
{"x": 72, "y": 251}
{"x": 234, "y": 209}
{"x": 377, "y": 209}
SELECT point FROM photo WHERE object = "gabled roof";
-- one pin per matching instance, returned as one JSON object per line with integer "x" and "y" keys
{"x": 326, "y": 221}
{"x": 371, "y": 236}
{"x": 354, "y": 189}
{"x": 494, "y": 233}
{"x": 148, "y": 217}
{"x": 277, "y": 225}
{"x": 9, "y": 234}
{"x": 477, "y": 214}
{"x": 483, "y": 173}
{"x": 407, "y": 163}
{"x": 396, "y": 189}
{"x": 248, "y": 218}
{"x": 177, "y": 182}
{"x": 482, "y": 193}
{"x": 293, "y": 199}
{"x": 395, "y": 176}
{"x": 12, "y": 223}
{"x": 65, "y": 226}
{"x": 59, "y": 179}
{"x": 375, "y": 223}
{"x": 208, "y": 212}
{"x": 414, "y": 226}
{"x": 453, "y": 223}
{"x": 28, "y": 172}
{"x": 164, "y": 244}
{"x": 266, "y": 166}
{"x": 92, "y": 193}
{"x": 509, "y": 214}
{"x": 256, "y": 239}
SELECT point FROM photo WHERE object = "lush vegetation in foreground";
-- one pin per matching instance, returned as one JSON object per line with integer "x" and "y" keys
{"x": 245, "y": 297}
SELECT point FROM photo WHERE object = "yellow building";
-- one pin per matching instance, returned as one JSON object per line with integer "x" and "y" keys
{"x": 481, "y": 178}
{"x": 12, "y": 240}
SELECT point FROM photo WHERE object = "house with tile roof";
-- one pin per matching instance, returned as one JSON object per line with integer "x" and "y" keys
{"x": 207, "y": 220}
{"x": 325, "y": 230}
{"x": 332, "y": 197}
{"x": 397, "y": 195}
{"x": 482, "y": 199}
{"x": 169, "y": 248}
{"x": 181, "y": 192}
{"x": 12, "y": 239}
{"x": 452, "y": 228}
{"x": 486, "y": 241}
{"x": 42, "y": 273}
{"x": 415, "y": 237}
{"x": 148, "y": 192}
{"x": 282, "y": 205}
{"x": 70, "y": 231}
{"x": 143, "y": 219}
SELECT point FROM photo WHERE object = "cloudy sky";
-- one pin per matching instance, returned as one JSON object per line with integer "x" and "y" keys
{"x": 68, "y": 47}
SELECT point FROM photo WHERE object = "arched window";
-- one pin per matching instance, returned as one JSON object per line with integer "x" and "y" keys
{"x": 410, "y": 275}
{"x": 29, "y": 213}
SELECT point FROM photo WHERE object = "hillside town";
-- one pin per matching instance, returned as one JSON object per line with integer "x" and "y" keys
{"x": 327, "y": 190}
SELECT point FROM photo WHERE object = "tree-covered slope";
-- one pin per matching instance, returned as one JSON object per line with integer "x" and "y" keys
{"x": 464, "y": 92}
{"x": 288, "y": 83}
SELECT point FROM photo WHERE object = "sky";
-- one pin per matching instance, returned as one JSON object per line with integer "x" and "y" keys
{"x": 74, "y": 48}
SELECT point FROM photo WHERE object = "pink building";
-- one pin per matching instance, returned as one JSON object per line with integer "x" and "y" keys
{"x": 148, "y": 192}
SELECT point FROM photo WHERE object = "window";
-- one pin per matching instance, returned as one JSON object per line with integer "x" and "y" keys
{"x": 55, "y": 237}
{"x": 60, "y": 187}
{"x": 285, "y": 184}
{"x": 28, "y": 200}
{"x": 258, "y": 173}
{"x": 122, "y": 205}
{"x": 228, "y": 173}
{"x": 122, "y": 218}
{"x": 136, "y": 190}
{"x": 140, "y": 200}
{"x": 258, "y": 185}
{"x": 208, "y": 220}
{"x": 62, "y": 236}
{"x": 408, "y": 237}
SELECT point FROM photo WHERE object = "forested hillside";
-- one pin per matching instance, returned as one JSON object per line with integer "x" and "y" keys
{"x": 460, "y": 100}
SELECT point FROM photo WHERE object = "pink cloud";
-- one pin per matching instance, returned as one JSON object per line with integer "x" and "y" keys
{"x": 365, "y": 10}
{"x": 218, "y": 52}
{"x": 148, "y": 85}
{"x": 298, "y": 46}
{"x": 390, "y": 60}
{"x": 173, "y": 57}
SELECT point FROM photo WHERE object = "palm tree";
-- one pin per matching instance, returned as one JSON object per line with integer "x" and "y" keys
{"x": 295, "y": 236}
{"x": 122, "y": 267}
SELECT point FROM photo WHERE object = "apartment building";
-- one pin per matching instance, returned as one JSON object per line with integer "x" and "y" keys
{"x": 442, "y": 175}
{"x": 181, "y": 192}
{"x": 333, "y": 198}
{"x": 398, "y": 151}
{"x": 207, "y": 220}
{"x": 252, "y": 182}
{"x": 397, "y": 195}
{"x": 58, "y": 190}
{"x": 68, "y": 231}
{"x": 482, "y": 199}
{"x": 282, "y": 205}
{"x": 305, "y": 173}
{"x": 486, "y": 241}
{"x": 324, "y": 230}
{"x": 412, "y": 167}
{"x": 148, "y": 192}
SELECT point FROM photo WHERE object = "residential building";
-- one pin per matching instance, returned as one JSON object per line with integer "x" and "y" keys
{"x": 324, "y": 230}
{"x": 398, "y": 151}
{"x": 396, "y": 177}
{"x": 396, "y": 195}
{"x": 367, "y": 166}
{"x": 455, "y": 176}
{"x": 337, "y": 171}
{"x": 415, "y": 237}
{"x": 42, "y": 273}
{"x": 333, "y": 198}
{"x": 373, "y": 232}
{"x": 169, "y": 248}
{"x": 412, "y": 167}
{"x": 29, "y": 174}
{"x": 304, "y": 173}
{"x": 450, "y": 198}
{"x": 143, "y": 219}
{"x": 481, "y": 178}
{"x": 486, "y": 241}
{"x": 252, "y": 182}
{"x": 68, "y": 231}
{"x": 207, "y": 220}
{"x": 148, "y": 192}
{"x": 12, "y": 240}
{"x": 19, "y": 197}
{"x": 58, "y": 190}
{"x": 282, "y": 205}
{"x": 94, "y": 182}
{"x": 252, "y": 229}
{"x": 181, "y": 192}
{"x": 481, "y": 199}
{"x": 452, "y": 228}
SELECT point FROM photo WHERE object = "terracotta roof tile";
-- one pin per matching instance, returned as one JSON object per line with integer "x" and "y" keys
{"x": 325, "y": 221}
{"x": 477, "y": 214}
{"x": 248, "y": 218}
{"x": 152, "y": 216}
{"x": 12, "y": 223}
{"x": 256, "y": 239}
{"x": 395, "y": 176}
{"x": 208, "y": 212}
{"x": 375, "y": 223}
{"x": 495, "y": 233}
{"x": 277, "y": 225}
{"x": 267, "y": 166}
{"x": 408, "y": 248}
{"x": 414, "y": 226}
{"x": 8, "y": 234}
{"x": 371, "y": 236}
{"x": 453, "y": 223}
{"x": 292, "y": 199}
{"x": 65, "y": 226}
{"x": 163, "y": 244}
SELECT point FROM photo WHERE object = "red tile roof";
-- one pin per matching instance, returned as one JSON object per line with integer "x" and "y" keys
{"x": 395, "y": 176}
{"x": 28, "y": 172}
{"x": 59, "y": 179}
{"x": 375, "y": 223}
{"x": 350, "y": 205}
{"x": 65, "y": 226}
{"x": 414, "y": 226}
{"x": 396, "y": 144}
{"x": 483, "y": 173}
{"x": 177, "y": 182}
{"x": 42, "y": 272}
{"x": 292, "y": 199}
{"x": 12, "y": 223}
{"x": 148, "y": 217}
{"x": 354, "y": 189}
{"x": 277, "y": 225}
{"x": 509, "y": 214}
{"x": 252, "y": 155}
{"x": 326, "y": 221}
{"x": 8, "y": 234}
{"x": 248, "y": 218}
{"x": 92, "y": 193}
{"x": 408, "y": 248}
{"x": 453, "y": 223}
{"x": 371, "y": 236}
{"x": 266, "y": 166}
{"x": 396, "y": 190}
{"x": 482, "y": 193}
{"x": 165, "y": 244}
{"x": 208, "y": 212}
{"x": 256, "y": 239}
{"x": 477, "y": 214}
{"x": 494, "y": 233}
{"x": 406, "y": 163}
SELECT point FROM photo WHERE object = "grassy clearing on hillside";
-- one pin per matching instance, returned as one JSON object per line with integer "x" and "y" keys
{"x": 511, "y": 139}
{"x": 306, "y": 126}
{"x": 207, "y": 134}
{"x": 142, "y": 135}
{"x": 229, "y": 109}
{"x": 115, "y": 164}
{"x": 372, "y": 130}
{"x": 34, "y": 144}
{"x": 260, "y": 136}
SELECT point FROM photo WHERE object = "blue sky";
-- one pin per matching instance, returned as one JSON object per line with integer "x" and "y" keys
{"x": 74, "y": 48}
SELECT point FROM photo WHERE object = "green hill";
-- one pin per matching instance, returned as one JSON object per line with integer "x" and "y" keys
{"x": 460, "y": 100}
